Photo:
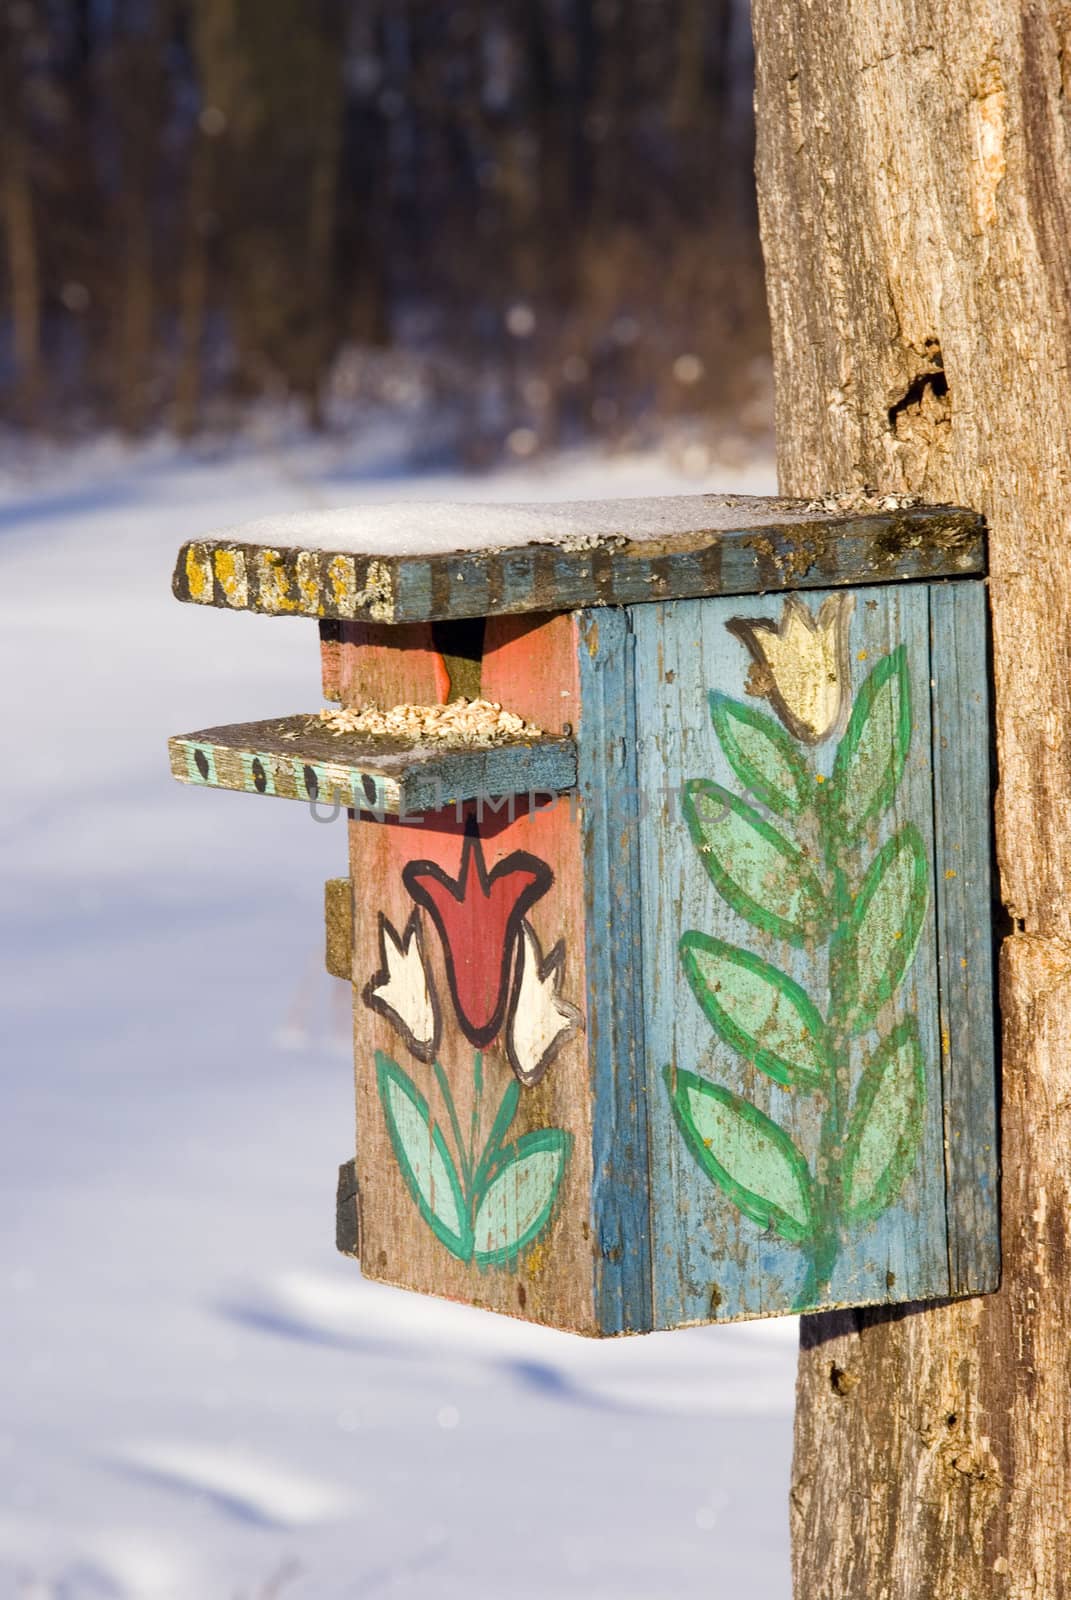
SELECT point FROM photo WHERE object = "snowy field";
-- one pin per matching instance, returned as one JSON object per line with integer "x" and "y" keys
{"x": 204, "y": 1402}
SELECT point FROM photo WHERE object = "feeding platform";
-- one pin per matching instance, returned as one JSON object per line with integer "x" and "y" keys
{"x": 677, "y": 1007}
{"x": 295, "y": 759}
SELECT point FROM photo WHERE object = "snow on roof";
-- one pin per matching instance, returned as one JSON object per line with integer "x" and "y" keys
{"x": 438, "y": 527}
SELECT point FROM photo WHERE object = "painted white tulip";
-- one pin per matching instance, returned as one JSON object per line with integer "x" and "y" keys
{"x": 402, "y": 990}
{"x": 540, "y": 1021}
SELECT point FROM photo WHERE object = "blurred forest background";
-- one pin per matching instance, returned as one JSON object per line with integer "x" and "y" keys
{"x": 530, "y": 222}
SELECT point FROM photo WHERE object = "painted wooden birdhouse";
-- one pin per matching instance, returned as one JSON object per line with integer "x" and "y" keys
{"x": 668, "y": 908}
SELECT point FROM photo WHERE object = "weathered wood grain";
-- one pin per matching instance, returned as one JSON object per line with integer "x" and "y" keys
{"x": 368, "y": 663}
{"x": 294, "y": 758}
{"x": 915, "y": 192}
{"x": 777, "y": 545}
{"x": 610, "y": 796}
{"x": 962, "y": 790}
{"x": 530, "y": 665}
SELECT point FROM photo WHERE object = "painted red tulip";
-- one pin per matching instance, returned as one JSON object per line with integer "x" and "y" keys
{"x": 478, "y": 915}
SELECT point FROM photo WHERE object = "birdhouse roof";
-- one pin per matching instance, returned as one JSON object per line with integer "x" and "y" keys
{"x": 420, "y": 561}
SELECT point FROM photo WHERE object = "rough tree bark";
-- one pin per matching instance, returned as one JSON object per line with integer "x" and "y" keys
{"x": 914, "y": 164}
{"x": 18, "y": 214}
{"x": 193, "y": 281}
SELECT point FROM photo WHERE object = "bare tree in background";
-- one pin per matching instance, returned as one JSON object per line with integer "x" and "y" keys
{"x": 543, "y": 204}
{"x": 19, "y": 25}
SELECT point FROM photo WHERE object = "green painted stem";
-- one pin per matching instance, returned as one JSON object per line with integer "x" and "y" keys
{"x": 825, "y": 1246}
{"x": 465, "y": 1157}
{"x": 821, "y": 1260}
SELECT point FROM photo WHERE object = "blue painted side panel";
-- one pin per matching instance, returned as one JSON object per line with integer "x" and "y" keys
{"x": 962, "y": 808}
{"x": 709, "y": 1259}
{"x": 606, "y": 748}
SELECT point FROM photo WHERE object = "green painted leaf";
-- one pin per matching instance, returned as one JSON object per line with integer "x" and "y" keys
{"x": 764, "y": 757}
{"x": 519, "y": 1195}
{"x": 757, "y": 871}
{"x": 886, "y": 1124}
{"x": 746, "y": 1154}
{"x": 870, "y": 758}
{"x": 885, "y": 927}
{"x": 758, "y": 1010}
{"x": 422, "y": 1154}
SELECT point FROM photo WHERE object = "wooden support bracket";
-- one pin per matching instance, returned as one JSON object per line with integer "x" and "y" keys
{"x": 338, "y": 928}
{"x": 348, "y": 1212}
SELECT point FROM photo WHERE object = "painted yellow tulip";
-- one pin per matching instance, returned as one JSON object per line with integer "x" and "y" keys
{"x": 801, "y": 664}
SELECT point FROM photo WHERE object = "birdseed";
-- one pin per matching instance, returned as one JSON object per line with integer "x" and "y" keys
{"x": 461, "y": 722}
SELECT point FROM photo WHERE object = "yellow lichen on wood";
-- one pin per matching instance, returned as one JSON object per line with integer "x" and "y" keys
{"x": 536, "y": 1261}
{"x": 230, "y": 570}
{"x": 199, "y": 574}
{"x": 274, "y": 583}
{"x": 343, "y": 585}
{"x": 308, "y": 582}
{"x": 377, "y": 596}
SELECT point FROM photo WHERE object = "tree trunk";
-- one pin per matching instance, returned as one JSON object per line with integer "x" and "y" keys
{"x": 17, "y": 214}
{"x": 136, "y": 314}
{"x": 914, "y": 165}
{"x": 193, "y": 290}
{"x": 140, "y": 96}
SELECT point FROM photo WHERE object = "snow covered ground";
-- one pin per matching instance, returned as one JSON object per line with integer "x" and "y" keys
{"x": 204, "y": 1402}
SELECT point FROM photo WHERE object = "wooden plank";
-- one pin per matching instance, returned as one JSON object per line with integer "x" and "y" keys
{"x": 783, "y": 1238}
{"x": 607, "y": 780}
{"x": 627, "y": 553}
{"x": 421, "y": 663}
{"x": 963, "y": 791}
{"x": 295, "y": 758}
{"x": 530, "y": 665}
{"x": 374, "y": 664}
{"x": 331, "y": 658}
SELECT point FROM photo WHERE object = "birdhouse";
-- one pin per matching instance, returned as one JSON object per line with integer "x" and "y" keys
{"x": 667, "y": 915}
